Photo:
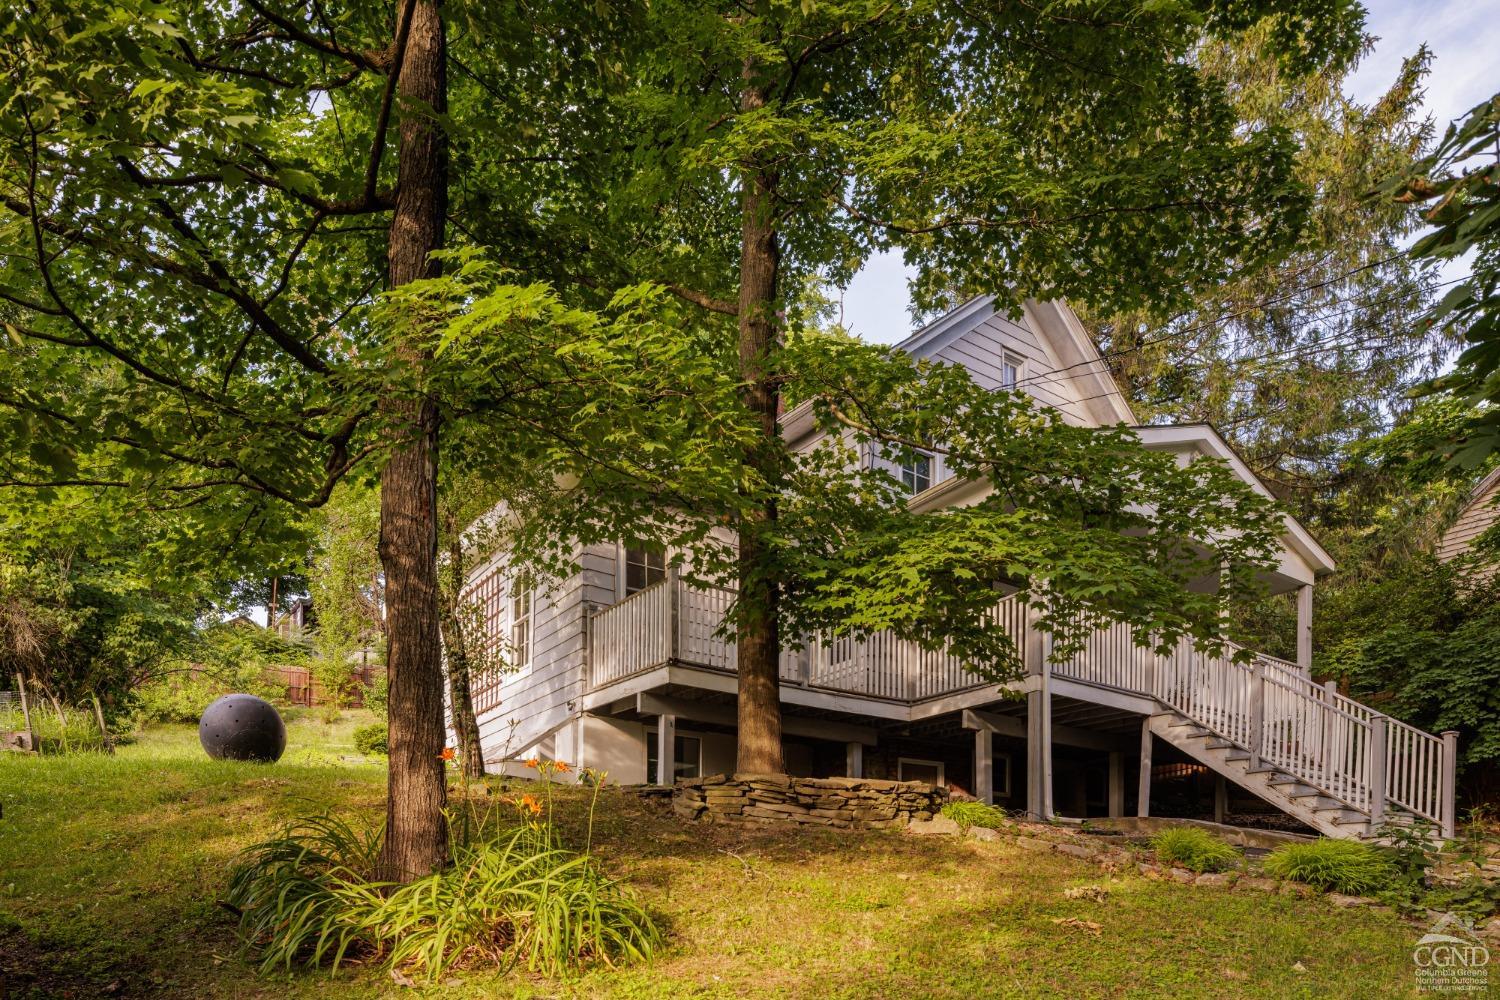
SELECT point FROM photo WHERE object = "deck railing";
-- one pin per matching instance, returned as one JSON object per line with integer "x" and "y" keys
{"x": 1267, "y": 706}
{"x": 672, "y": 621}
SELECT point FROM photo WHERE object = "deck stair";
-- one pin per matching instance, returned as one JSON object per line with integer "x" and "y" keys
{"x": 1311, "y": 804}
{"x": 1337, "y": 765}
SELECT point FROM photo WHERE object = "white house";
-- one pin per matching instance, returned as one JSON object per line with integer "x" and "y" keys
{"x": 620, "y": 667}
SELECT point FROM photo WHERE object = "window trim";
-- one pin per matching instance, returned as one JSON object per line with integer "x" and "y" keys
{"x": 1018, "y": 363}
{"x": 931, "y": 477}
{"x": 942, "y": 771}
{"x": 1000, "y": 788}
{"x": 651, "y": 736}
{"x": 622, "y": 567}
{"x": 523, "y": 656}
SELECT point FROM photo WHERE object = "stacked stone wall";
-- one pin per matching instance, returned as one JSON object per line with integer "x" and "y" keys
{"x": 845, "y": 803}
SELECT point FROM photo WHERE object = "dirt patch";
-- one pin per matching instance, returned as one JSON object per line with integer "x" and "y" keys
{"x": 30, "y": 969}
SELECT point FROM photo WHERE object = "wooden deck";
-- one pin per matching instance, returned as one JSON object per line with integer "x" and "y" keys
{"x": 1266, "y": 710}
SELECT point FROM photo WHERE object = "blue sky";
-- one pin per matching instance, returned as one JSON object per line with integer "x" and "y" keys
{"x": 1465, "y": 42}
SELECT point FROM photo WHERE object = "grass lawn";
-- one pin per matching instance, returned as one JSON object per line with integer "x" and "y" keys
{"x": 110, "y": 869}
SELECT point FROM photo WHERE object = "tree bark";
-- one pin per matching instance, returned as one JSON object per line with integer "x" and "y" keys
{"x": 758, "y": 644}
{"x": 457, "y": 644}
{"x": 416, "y": 834}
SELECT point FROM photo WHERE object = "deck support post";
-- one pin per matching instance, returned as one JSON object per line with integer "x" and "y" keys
{"x": 854, "y": 759}
{"x": 1143, "y": 794}
{"x": 1448, "y": 807}
{"x": 1221, "y": 798}
{"x": 1035, "y": 773}
{"x": 1304, "y": 626}
{"x": 1116, "y": 784}
{"x": 666, "y": 750}
{"x": 1377, "y": 772}
{"x": 984, "y": 766}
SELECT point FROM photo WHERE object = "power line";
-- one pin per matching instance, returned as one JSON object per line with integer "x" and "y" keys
{"x": 1057, "y": 375}
{"x": 1052, "y": 376}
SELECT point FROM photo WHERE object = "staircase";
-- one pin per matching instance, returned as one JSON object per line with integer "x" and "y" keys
{"x": 1334, "y": 764}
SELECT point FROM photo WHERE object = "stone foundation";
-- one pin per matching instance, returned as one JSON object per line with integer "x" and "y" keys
{"x": 845, "y": 803}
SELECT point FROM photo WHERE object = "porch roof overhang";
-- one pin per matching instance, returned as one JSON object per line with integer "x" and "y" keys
{"x": 1309, "y": 560}
{"x": 1206, "y": 440}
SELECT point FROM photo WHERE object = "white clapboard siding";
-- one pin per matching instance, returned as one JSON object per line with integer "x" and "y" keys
{"x": 1476, "y": 517}
{"x": 536, "y": 699}
{"x": 982, "y": 351}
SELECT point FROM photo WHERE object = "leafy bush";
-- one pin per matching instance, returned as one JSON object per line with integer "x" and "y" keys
{"x": 967, "y": 814}
{"x": 1194, "y": 849}
{"x": 378, "y": 694}
{"x": 1345, "y": 866}
{"x": 227, "y": 659}
{"x": 512, "y": 900}
{"x": 372, "y": 739}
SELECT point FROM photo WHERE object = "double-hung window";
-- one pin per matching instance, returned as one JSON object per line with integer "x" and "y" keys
{"x": 642, "y": 569}
{"x": 916, "y": 473}
{"x": 1010, "y": 372}
{"x": 520, "y": 628}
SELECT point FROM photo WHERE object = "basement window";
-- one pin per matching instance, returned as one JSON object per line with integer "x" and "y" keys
{"x": 912, "y": 769}
{"x": 688, "y": 752}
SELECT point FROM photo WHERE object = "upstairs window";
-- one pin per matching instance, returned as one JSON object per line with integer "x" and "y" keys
{"x": 642, "y": 569}
{"x": 916, "y": 474}
{"x": 520, "y": 629}
{"x": 1010, "y": 372}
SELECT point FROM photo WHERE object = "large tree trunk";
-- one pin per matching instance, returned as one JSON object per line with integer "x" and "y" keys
{"x": 416, "y": 833}
{"x": 457, "y": 643}
{"x": 758, "y": 645}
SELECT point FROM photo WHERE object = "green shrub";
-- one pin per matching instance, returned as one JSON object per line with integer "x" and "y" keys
{"x": 1345, "y": 866}
{"x": 1195, "y": 849}
{"x": 378, "y": 694}
{"x": 512, "y": 901}
{"x": 372, "y": 739}
{"x": 967, "y": 814}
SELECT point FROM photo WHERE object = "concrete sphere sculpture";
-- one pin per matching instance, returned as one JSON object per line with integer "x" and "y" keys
{"x": 242, "y": 727}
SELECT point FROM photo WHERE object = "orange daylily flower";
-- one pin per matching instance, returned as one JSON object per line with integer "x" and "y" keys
{"x": 534, "y": 763}
{"x": 530, "y": 802}
{"x": 447, "y": 754}
{"x": 561, "y": 767}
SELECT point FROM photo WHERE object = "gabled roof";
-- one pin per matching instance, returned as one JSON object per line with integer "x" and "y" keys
{"x": 1079, "y": 361}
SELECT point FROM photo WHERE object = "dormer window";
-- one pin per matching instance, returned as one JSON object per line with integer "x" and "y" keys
{"x": 916, "y": 474}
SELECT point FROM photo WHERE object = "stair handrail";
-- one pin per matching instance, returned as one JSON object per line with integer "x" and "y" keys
{"x": 1331, "y": 742}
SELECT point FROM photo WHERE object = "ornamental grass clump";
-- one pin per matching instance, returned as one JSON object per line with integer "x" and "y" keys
{"x": 1345, "y": 866}
{"x": 513, "y": 899}
{"x": 1194, "y": 849}
{"x": 969, "y": 814}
